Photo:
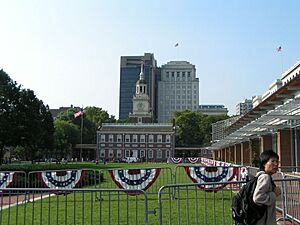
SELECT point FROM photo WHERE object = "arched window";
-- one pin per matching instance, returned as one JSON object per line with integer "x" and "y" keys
{"x": 150, "y": 154}
{"x": 159, "y": 154}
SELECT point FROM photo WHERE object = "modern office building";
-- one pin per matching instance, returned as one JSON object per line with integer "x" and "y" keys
{"x": 178, "y": 89}
{"x": 213, "y": 110}
{"x": 244, "y": 107}
{"x": 129, "y": 74}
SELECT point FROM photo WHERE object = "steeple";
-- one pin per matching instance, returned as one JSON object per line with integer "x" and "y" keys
{"x": 142, "y": 77}
{"x": 141, "y": 86}
{"x": 141, "y": 101}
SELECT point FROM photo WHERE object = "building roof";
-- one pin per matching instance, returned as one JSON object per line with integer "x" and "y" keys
{"x": 136, "y": 127}
{"x": 278, "y": 111}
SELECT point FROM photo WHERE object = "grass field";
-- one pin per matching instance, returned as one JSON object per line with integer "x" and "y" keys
{"x": 184, "y": 205}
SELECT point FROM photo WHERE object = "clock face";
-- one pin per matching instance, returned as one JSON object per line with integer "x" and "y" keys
{"x": 140, "y": 106}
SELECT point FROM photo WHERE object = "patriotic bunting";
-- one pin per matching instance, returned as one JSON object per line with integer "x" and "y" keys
{"x": 243, "y": 174}
{"x": 6, "y": 179}
{"x": 62, "y": 179}
{"x": 206, "y": 174}
{"x": 134, "y": 179}
{"x": 175, "y": 160}
{"x": 193, "y": 160}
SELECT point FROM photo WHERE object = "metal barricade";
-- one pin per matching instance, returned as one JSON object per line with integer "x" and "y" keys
{"x": 198, "y": 203}
{"x": 74, "y": 206}
{"x": 149, "y": 180}
{"x": 290, "y": 169}
{"x": 192, "y": 205}
{"x": 67, "y": 179}
{"x": 236, "y": 173}
{"x": 291, "y": 194}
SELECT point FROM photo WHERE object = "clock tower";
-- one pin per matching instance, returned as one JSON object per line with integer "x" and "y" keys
{"x": 141, "y": 112}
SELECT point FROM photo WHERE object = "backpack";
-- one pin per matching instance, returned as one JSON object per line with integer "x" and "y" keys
{"x": 244, "y": 210}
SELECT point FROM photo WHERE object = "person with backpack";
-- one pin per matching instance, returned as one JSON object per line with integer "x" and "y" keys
{"x": 265, "y": 192}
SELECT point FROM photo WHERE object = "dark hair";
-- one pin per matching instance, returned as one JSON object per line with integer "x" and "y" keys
{"x": 265, "y": 156}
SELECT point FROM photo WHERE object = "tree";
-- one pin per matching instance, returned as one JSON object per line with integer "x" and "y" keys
{"x": 92, "y": 117}
{"x": 194, "y": 128}
{"x": 98, "y": 116}
{"x": 66, "y": 135}
{"x": 24, "y": 120}
{"x": 206, "y": 127}
{"x": 36, "y": 125}
{"x": 9, "y": 96}
{"x": 188, "y": 133}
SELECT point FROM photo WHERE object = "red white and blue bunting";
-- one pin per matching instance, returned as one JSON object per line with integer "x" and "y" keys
{"x": 194, "y": 160}
{"x": 175, "y": 160}
{"x": 134, "y": 179}
{"x": 67, "y": 179}
{"x": 7, "y": 178}
{"x": 201, "y": 174}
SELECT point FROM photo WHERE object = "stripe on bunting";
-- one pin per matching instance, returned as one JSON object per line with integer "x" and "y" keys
{"x": 201, "y": 174}
{"x": 134, "y": 179}
{"x": 67, "y": 179}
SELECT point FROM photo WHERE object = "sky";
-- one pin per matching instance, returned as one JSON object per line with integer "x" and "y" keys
{"x": 68, "y": 51}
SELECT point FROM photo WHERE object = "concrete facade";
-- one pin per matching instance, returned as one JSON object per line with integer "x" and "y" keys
{"x": 178, "y": 89}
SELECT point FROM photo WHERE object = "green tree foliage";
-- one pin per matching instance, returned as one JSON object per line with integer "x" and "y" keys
{"x": 66, "y": 135}
{"x": 194, "y": 128}
{"x": 98, "y": 116}
{"x": 9, "y": 96}
{"x": 36, "y": 125}
{"x": 92, "y": 119}
{"x": 24, "y": 119}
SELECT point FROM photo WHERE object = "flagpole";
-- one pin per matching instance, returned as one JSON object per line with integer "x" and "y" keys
{"x": 281, "y": 63}
{"x": 279, "y": 50}
{"x": 176, "y": 46}
{"x": 81, "y": 131}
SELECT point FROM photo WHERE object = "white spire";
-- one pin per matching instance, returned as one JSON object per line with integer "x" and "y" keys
{"x": 142, "y": 73}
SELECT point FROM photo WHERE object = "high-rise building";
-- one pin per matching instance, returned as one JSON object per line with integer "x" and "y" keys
{"x": 178, "y": 89}
{"x": 244, "y": 107}
{"x": 213, "y": 110}
{"x": 129, "y": 74}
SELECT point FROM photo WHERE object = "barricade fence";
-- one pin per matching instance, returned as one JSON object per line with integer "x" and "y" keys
{"x": 204, "y": 174}
{"x": 191, "y": 205}
{"x": 193, "y": 195}
{"x": 73, "y": 206}
{"x": 292, "y": 198}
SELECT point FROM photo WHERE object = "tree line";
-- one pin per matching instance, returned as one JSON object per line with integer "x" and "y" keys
{"x": 27, "y": 125}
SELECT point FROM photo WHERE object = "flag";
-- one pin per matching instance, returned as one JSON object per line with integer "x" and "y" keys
{"x": 176, "y": 45}
{"x": 279, "y": 49}
{"x": 79, "y": 113}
